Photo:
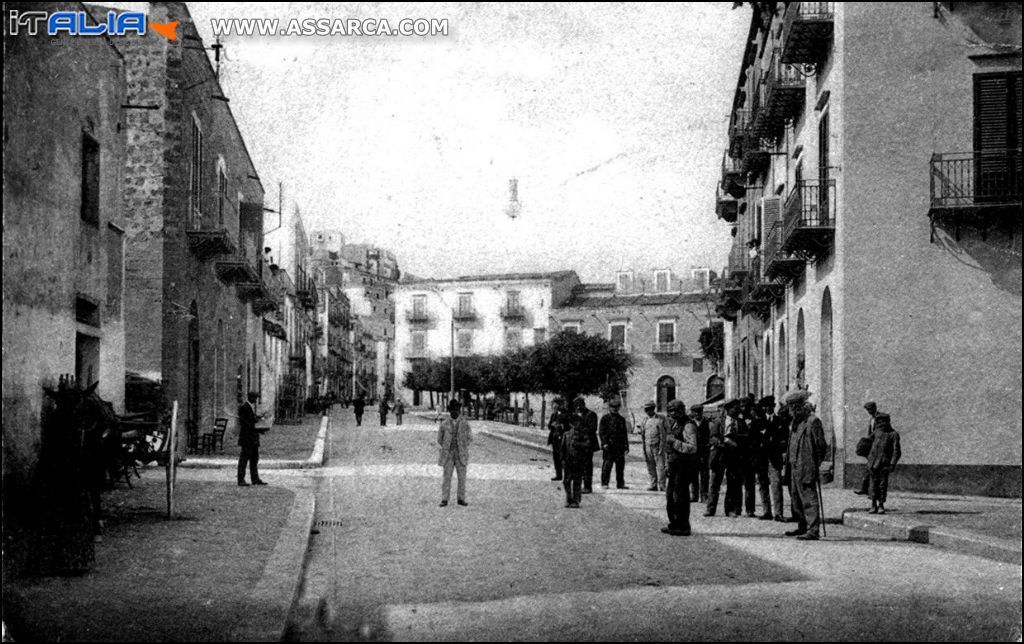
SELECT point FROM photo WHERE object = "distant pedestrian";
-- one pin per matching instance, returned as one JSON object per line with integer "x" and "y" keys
{"x": 885, "y": 454}
{"x": 652, "y": 435}
{"x": 399, "y": 410}
{"x": 864, "y": 446}
{"x": 700, "y": 482}
{"x": 773, "y": 446}
{"x": 454, "y": 437}
{"x": 557, "y": 425}
{"x": 358, "y": 406}
{"x": 576, "y": 452}
{"x": 614, "y": 439}
{"x": 717, "y": 457}
{"x": 383, "y": 410}
{"x": 749, "y": 449}
{"x": 758, "y": 427}
{"x": 588, "y": 420}
{"x": 681, "y": 458}
{"x": 734, "y": 444}
{"x": 806, "y": 452}
{"x": 249, "y": 440}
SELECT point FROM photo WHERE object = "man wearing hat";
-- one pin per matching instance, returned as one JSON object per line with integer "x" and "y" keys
{"x": 614, "y": 445}
{"x": 774, "y": 440}
{"x": 734, "y": 446}
{"x": 652, "y": 434}
{"x": 454, "y": 437}
{"x": 556, "y": 427}
{"x": 699, "y": 483}
{"x": 807, "y": 450}
{"x": 872, "y": 410}
{"x": 681, "y": 458}
{"x": 716, "y": 461}
{"x": 588, "y": 421}
{"x": 249, "y": 440}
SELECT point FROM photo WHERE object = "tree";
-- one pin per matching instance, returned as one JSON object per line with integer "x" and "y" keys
{"x": 574, "y": 364}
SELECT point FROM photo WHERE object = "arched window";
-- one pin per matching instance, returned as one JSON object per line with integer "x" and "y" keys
{"x": 801, "y": 351}
{"x": 666, "y": 391}
{"x": 825, "y": 396}
{"x": 782, "y": 358}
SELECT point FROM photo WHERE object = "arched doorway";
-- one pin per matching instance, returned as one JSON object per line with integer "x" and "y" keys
{"x": 801, "y": 351}
{"x": 715, "y": 386}
{"x": 783, "y": 360}
{"x": 666, "y": 392}
{"x": 825, "y": 396}
{"x": 192, "y": 377}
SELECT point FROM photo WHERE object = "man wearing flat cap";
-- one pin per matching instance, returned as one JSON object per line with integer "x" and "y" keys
{"x": 249, "y": 440}
{"x": 872, "y": 410}
{"x": 681, "y": 457}
{"x": 454, "y": 437}
{"x": 588, "y": 421}
{"x": 652, "y": 435}
{"x": 614, "y": 445}
{"x": 807, "y": 450}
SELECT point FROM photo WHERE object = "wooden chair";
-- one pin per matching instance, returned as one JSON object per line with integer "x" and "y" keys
{"x": 214, "y": 441}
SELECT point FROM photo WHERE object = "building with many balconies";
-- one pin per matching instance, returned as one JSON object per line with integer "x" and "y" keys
{"x": 872, "y": 180}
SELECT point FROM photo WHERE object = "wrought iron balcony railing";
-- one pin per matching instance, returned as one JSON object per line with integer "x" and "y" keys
{"x": 665, "y": 348}
{"x": 806, "y": 31}
{"x": 513, "y": 312}
{"x": 781, "y": 94}
{"x": 464, "y": 314}
{"x": 732, "y": 176}
{"x": 809, "y": 217}
{"x": 417, "y": 317}
{"x": 970, "y": 187}
{"x": 779, "y": 265}
{"x": 726, "y": 207}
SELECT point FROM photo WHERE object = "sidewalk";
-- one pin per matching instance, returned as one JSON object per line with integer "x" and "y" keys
{"x": 227, "y": 567}
{"x": 983, "y": 526}
{"x": 283, "y": 447}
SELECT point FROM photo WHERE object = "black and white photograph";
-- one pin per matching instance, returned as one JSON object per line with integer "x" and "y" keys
{"x": 693, "y": 321}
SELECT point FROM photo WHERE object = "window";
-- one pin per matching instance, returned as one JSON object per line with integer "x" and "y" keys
{"x": 419, "y": 342}
{"x": 625, "y": 281}
{"x": 419, "y": 306}
{"x": 195, "y": 181}
{"x": 661, "y": 281}
{"x": 90, "y": 208}
{"x": 617, "y": 334}
{"x": 465, "y": 304}
{"x": 465, "y": 341}
{"x": 513, "y": 301}
{"x": 698, "y": 365}
{"x": 997, "y": 134}
{"x": 571, "y": 327}
{"x": 222, "y": 192}
{"x": 666, "y": 331}
{"x": 513, "y": 338}
{"x": 540, "y": 335}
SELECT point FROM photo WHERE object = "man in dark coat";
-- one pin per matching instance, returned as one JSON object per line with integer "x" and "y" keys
{"x": 358, "y": 405}
{"x": 885, "y": 453}
{"x": 716, "y": 461}
{"x": 681, "y": 458}
{"x": 249, "y": 440}
{"x": 614, "y": 445}
{"x": 758, "y": 426}
{"x": 557, "y": 425}
{"x": 773, "y": 446}
{"x": 807, "y": 450}
{"x": 872, "y": 410}
{"x": 734, "y": 446}
{"x": 699, "y": 484}
{"x": 588, "y": 420}
{"x": 576, "y": 453}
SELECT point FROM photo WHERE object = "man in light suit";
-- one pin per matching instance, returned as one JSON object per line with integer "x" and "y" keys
{"x": 454, "y": 437}
{"x": 806, "y": 451}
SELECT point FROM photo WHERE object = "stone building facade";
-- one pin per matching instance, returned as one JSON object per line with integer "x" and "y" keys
{"x": 63, "y": 262}
{"x": 872, "y": 180}
{"x": 196, "y": 280}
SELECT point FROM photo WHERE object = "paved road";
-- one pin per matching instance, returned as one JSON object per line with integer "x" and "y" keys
{"x": 388, "y": 563}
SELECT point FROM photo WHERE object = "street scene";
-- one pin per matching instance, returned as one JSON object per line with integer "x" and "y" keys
{"x": 452, "y": 322}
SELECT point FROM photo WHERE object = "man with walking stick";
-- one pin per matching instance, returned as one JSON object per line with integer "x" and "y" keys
{"x": 807, "y": 450}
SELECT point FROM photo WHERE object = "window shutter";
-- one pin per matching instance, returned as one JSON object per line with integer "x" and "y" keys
{"x": 990, "y": 113}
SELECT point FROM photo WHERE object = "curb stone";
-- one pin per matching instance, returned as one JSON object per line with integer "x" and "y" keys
{"x": 270, "y": 602}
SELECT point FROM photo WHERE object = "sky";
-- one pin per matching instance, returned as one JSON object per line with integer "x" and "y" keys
{"x": 612, "y": 118}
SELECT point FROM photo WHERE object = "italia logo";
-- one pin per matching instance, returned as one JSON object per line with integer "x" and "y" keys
{"x": 81, "y": 23}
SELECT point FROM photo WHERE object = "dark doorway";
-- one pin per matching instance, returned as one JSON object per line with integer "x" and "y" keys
{"x": 666, "y": 391}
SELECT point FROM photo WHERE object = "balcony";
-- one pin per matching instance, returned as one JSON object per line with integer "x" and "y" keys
{"x": 809, "y": 219}
{"x": 737, "y": 132}
{"x": 739, "y": 261}
{"x": 275, "y": 330}
{"x": 806, "y": 31}
{"x": 415, "y": 353}
{"x": 777, "y": 264}
{"x": 417, "y": 317}
{"x": 725, "y": 206}
{"x": 206, "y": 244}
{"x": 665, "y": 348}
{"x": 464, "y": 315}
{"x": 513, "y": 312}
{"x": 781, "y": 95}
{"x": 305, "y": 289}
{"x": 236, "y": 271}
{"x": 732, "y": 176}
{"x": 975, "y": 189}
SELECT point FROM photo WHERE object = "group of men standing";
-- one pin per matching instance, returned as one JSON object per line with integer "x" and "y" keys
{"x": 755, "y": 446}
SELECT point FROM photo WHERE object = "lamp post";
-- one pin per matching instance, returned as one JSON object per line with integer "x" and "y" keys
{"x": 451, "y": 382}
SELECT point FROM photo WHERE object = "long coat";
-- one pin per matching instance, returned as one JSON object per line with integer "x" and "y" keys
{"x": 614, "y": 435}
{"x": 681, "y": 442}
{"x": 454, "y": 427}
{"x": 807, "y": 449}
{"x": 885, "y": 448}
{"x": 588, "y": 419}
{"x": 248, "y": 436}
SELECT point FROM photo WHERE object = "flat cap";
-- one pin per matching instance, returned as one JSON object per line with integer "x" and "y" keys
{"x": 615, "y": 403}
{"x": 796, "y": 397}
{"x": 676, "y": 405}
{"x": 767, "y": 400}
{"x": 454, "y": 402}
{"x": 870, "y": 405}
